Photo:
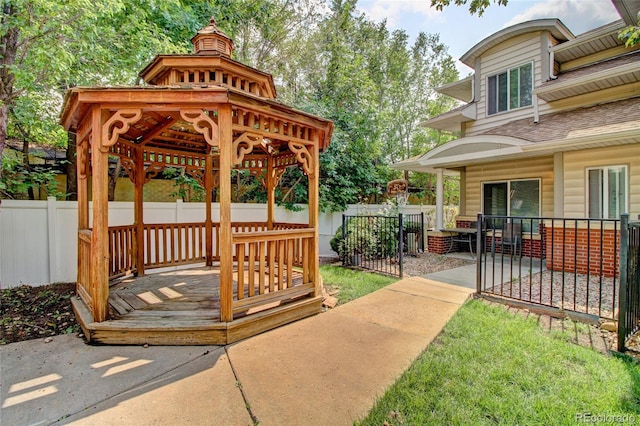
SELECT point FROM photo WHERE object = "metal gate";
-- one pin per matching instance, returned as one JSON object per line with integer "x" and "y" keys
{"x": 629, "y": 320}
{"x": 379, "y": 243}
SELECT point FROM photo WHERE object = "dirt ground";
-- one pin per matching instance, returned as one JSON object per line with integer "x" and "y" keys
{"x": 35, "y": 312}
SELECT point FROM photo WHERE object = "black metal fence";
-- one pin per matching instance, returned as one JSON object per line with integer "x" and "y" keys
{"x": 629, "y": 320}
{"x": 558, "y": 264}
{"x": 379, "y": 243}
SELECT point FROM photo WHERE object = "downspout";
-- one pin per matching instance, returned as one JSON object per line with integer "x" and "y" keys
{"x": 552, "y": 61}
{"x": 473, "y": 89}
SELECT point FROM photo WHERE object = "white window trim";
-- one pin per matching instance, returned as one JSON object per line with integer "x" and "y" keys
{"x": 605, "y": 184}
{"x": 508, "y": 182}
{"x": 508, "y": 72}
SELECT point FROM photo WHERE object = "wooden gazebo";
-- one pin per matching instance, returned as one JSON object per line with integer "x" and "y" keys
{"x": 207, "y": 114}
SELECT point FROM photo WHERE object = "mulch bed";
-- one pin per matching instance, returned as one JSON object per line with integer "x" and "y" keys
{"x": 35, "y": 312}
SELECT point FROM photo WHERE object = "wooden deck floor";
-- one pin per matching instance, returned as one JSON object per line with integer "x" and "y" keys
{"x": 183, "y": 307}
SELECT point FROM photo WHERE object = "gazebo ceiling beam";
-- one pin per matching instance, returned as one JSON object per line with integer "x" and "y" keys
{"x": 194, "y": 143}
{"x": 168, "y": 122}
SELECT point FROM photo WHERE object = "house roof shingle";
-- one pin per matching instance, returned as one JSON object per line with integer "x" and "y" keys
{"x": 603, "y": 118}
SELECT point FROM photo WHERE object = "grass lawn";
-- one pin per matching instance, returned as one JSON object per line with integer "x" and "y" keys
{"x": 491, "y": 367}
{"x": 351, "y": 283}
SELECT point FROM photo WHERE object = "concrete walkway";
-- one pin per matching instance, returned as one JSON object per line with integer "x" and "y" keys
{"x": 327, "y": 369}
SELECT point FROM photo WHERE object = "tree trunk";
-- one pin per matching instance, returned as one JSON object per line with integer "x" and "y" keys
{"x": 27, "y": 165}
{"x": 8, "y": 50}
{"x": 113, "y": 179}
{"x": 4, "y": 113}
{"x": 72, "y": 172}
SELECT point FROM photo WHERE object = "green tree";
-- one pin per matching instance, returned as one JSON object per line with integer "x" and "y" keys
{"x": 631, "y": 34}
{"x": 475, "y": 6}
{"x": 47, "y": 46}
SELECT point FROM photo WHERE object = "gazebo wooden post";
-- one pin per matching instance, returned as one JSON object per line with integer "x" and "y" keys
{"x": 314, "y": 196}
{"x": 208, "y": 187}
{"x": 83, "y": 184}
{"x": 271, "y": 192}
{"x": 225, "y": 141}
{"x": 99, "y": 235}
{"x": 82, "y": 167}
{"x": 138, "y": 206}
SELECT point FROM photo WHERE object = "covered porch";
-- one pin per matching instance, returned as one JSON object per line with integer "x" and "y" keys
{"x": 207, "y": 115}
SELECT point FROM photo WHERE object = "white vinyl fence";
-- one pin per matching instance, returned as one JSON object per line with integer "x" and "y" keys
{"x": 38, "y": 239}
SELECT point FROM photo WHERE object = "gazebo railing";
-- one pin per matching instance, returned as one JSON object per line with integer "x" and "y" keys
{"x": 272, "y": 267}
{"x": 173, "y": 244}
{"x": 121, "y": 244}
{"x": 85, "y": 289}
{"x": 178, "y": 244}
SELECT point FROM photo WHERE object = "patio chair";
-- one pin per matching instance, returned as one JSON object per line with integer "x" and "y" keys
{"x": 511, "y": 236}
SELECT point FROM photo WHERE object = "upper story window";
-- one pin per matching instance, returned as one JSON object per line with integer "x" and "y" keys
{"x": 511, "y": 89}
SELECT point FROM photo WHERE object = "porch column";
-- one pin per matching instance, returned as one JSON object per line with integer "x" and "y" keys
{"x": 138, "y": 205}
{"x": 99, "y": 235}
{"x": 226, "y": 243}
{"x": 439, "y": 199}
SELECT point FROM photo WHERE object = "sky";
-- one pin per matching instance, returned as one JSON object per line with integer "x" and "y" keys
{"x": 460, "y": 30}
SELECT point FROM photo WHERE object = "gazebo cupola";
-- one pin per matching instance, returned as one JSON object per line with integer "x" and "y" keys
{"x": 211, "y": 40}
{"x": 211, "y": 64}
{"x": 208, "y": 115}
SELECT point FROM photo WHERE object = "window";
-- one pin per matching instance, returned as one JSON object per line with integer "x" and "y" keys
{"x": 511, "y": 89}
{"x": 607, "y": 192}
{"x": 512, "y": 198}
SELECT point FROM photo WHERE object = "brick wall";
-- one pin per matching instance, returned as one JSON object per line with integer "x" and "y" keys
{"x": 440, "y": 243}
{"x": 530, "y": 247}
{"x": 583, "y": 250}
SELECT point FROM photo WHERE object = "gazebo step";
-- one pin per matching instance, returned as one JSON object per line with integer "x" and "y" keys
{"x": 173, "y": 328}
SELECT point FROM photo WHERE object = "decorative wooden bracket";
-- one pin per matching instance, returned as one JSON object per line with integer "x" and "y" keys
{"x": 277, "y": 176}
{"x": 303, "y": 156}
{"x": 129, "y": 167}
{"x": 117, "y": 125}
{"x": 261, "y": 175}
{"x": 152, "y": 171}
{"x": 82, "y": 151}
{"x": 195, "y": 172}
{"x": 202, "y": 124}
{"x": 243, "y": 145}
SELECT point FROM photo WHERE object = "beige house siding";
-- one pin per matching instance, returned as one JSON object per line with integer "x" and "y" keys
{"x": 532, "y": 168}
{"x": 514, "y": 52}
{"x": 576, "y": 164}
